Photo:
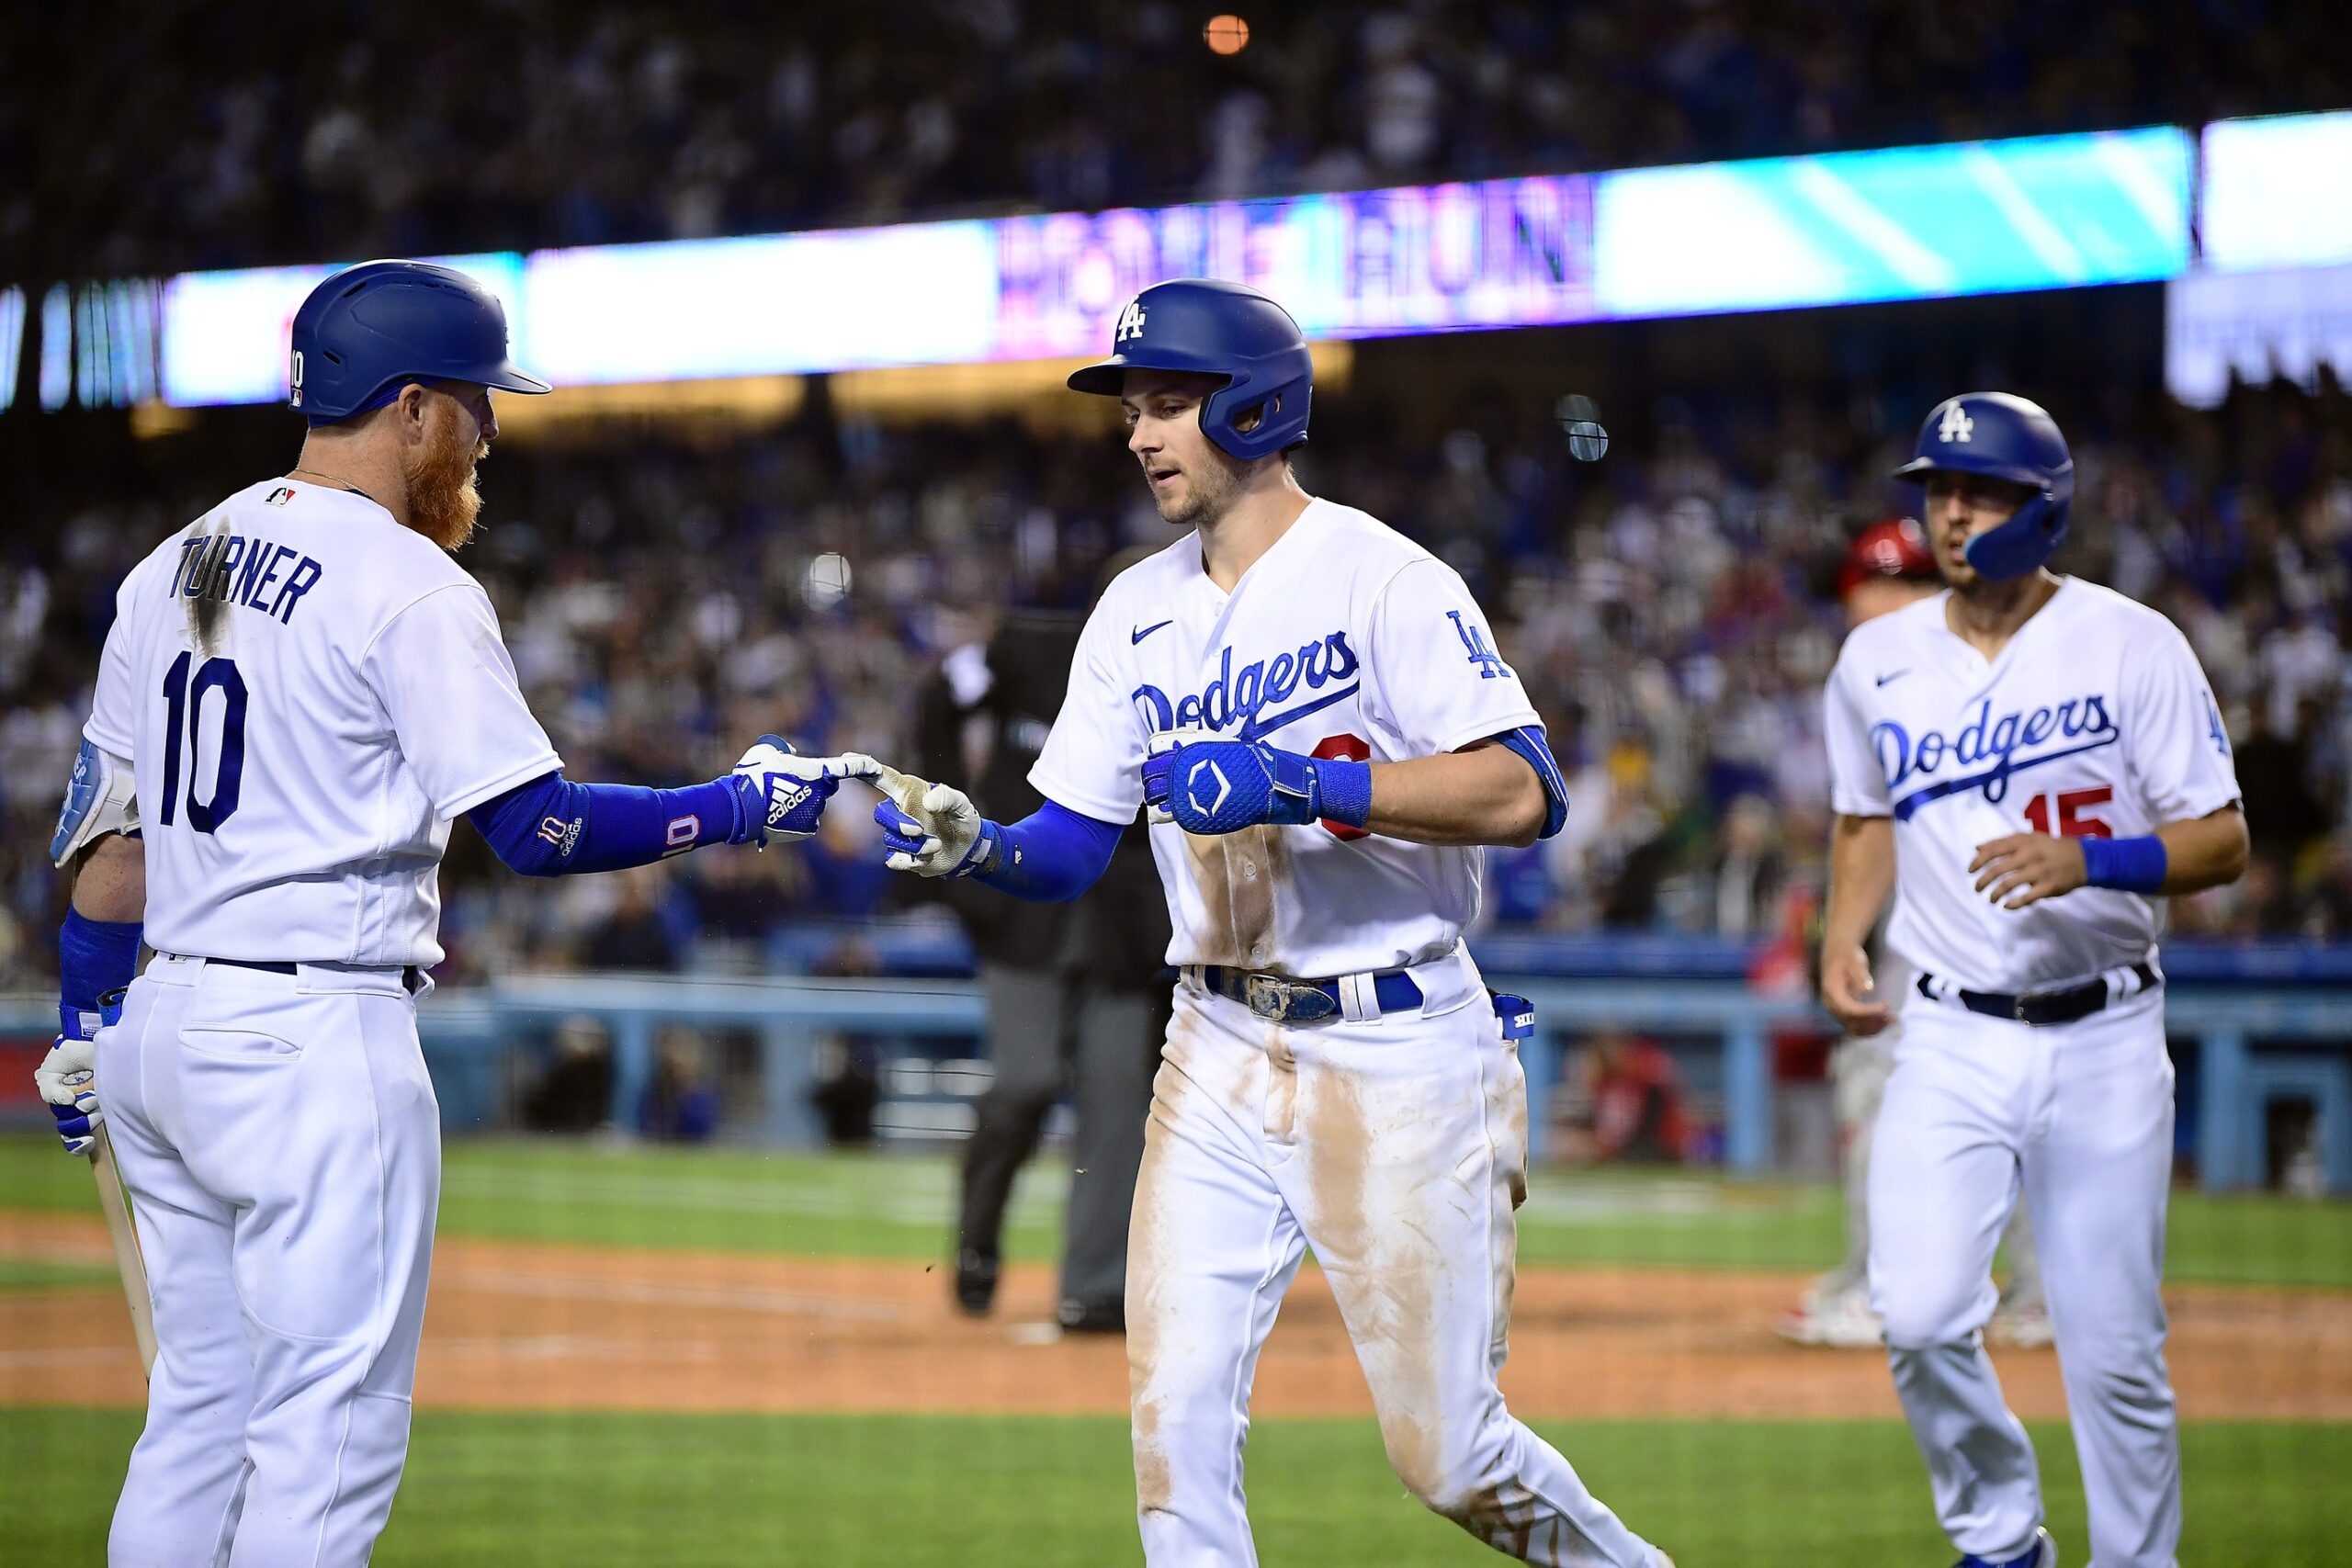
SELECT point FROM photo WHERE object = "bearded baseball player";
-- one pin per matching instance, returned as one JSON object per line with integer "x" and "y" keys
{"x": 299, "y": 694}
{"x": 1315, "y": 706}
{"x": 1888, "y": 565}
{"x": 2030, "y": 764}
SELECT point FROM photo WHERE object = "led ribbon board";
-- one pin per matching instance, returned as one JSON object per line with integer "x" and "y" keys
{"x": 1907, "y": 223}
{"x": 225, "y": 333}
{"x": 2044, "y": 212}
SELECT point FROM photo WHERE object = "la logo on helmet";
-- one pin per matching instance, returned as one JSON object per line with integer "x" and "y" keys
{"x": 1956, "y": 425}
{"x": 1130, "y": 321}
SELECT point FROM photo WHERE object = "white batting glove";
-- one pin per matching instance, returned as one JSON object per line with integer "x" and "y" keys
{"x": 63, "y": 1080}
{"x": 929, "y": 828}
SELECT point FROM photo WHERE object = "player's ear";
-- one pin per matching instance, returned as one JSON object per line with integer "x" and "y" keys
{"x": 408, "y": 411}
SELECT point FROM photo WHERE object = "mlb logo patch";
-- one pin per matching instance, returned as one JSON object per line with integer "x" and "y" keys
{"x": 279, "y": 496}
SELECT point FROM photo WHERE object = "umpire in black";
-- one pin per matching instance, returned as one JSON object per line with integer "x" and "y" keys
{"x": 1076, "y": 993}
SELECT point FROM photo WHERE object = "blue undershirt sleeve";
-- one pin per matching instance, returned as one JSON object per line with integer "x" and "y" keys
{"x": 551, "y": 827}
{"x": 1050, "y": 856}
{"x": 1528, "y": 741}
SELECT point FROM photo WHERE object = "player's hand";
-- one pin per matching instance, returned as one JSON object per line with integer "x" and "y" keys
{"x": 1220, "y": 786}
{"x": 929, "y": 828}
{"x": 781, "y": 796}
{"x": 1845, "y": 981}
{"x": 2026, "y": 868}
{"x": 65, "y": 1074}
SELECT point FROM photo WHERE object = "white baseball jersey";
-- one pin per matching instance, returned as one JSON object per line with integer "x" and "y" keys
{"x": 2095, "y": 722}
{"x": 1344, "y": 639}
{"x": 300, "y": 762}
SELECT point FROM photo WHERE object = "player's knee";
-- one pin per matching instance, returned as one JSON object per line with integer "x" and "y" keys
{"x": 1918, "y": 1319}
{"x": 1449, "y": 1466}
{"x": 2131, "y": 1379}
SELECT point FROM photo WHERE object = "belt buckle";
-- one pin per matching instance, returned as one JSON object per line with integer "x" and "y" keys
{"x": 1267, "y": 995}
{"x": 2018, "y": 1004}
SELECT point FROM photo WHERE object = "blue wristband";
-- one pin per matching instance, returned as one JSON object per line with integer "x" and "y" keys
{"x": 1343, "y": 791}
{"x": 2127, "y": 865}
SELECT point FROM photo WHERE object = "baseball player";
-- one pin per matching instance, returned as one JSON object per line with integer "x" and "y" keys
{"x": 299, "y": 693}
{"x": 2029, "y": 763}
{"x": 1887, "y": 566}
{"x": 1314, "y": 706}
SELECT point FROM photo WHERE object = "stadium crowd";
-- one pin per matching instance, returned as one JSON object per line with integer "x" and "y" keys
{"x": 270, "y": 134}
{"x": 1672, "y": 608}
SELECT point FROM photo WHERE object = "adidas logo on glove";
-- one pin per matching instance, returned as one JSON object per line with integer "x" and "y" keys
{"x": 784, "y": 793}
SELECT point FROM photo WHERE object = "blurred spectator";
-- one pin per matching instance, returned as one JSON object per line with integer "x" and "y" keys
{"x": 1629, "y": 1109}
{"x": 681, "y": 1103}
{"x": 1671, "y": 611}
{"x": 1744, "y": 884}
{"x": 264, "y": 134}
{"x": 634, "y": 936}
{"x": 574, "y": 1092}
{"x": 2274, "y": 769}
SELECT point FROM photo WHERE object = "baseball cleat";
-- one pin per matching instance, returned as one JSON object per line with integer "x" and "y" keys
{"x": 1092, "y": 1317}
{"x": 2022, "y": 1324}
{"x": 2043, "y": 1553}
{"x": 974, "y": 1283}
{"x": 1841, "y": 1322}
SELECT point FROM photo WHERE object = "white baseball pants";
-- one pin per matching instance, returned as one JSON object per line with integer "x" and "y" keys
{"x": 1396, "y": 1148}
{"x": 2079, "y": 1118}
{"x": 282, "y": 1148}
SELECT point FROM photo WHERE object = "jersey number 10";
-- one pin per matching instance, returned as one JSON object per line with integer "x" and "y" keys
{"x": 2072, "y": 823}
{"x": 183, "y": 705}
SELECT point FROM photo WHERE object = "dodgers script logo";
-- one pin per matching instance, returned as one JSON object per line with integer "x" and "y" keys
{"x": 1985, "y": 739}
{"x": 1242, "y": 695}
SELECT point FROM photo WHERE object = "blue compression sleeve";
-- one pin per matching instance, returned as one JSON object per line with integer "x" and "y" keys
{"x": 1050, "y": 857}
{"x": 551, "y": 827}
{"x": 93, "y": 958}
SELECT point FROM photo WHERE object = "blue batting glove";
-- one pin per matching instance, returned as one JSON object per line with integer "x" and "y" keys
{"x": 64, "y": 1075}
{"x": 1219, "y": 786}
{"x": 780, "y": 797}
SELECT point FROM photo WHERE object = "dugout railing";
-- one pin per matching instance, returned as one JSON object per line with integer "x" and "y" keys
{"x": 2285, "y": 1036}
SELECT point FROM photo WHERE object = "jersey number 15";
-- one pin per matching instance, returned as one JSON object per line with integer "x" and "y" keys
{"x": 184, "y": 715}
{"x": 2069, "y": 804}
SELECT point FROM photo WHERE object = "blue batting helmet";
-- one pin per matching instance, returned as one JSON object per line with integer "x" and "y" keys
{"x": 370, "y": 329}
{"x": 2002, "y": 436}
{"x": 1215, "y": 328}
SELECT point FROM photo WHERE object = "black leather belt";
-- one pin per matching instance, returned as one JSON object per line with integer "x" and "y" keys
{"x": 2040, "y": 1008}
{"x": 410, "y": 976}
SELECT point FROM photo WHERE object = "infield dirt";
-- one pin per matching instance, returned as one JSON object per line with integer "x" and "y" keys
{"x": 522, "y": 1327}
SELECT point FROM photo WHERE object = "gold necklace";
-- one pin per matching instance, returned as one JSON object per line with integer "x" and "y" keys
{"x": 339, "y": 484}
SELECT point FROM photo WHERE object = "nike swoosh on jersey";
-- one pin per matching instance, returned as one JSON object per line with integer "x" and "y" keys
{"x": 1263, "y": 724}
{"x": 1909, "y": 805}
{"x": 1142, "y": 631}
{"x": 1896, "y": 676}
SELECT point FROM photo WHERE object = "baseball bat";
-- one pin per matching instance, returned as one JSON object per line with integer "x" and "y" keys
{"x": 124, "y": 1234}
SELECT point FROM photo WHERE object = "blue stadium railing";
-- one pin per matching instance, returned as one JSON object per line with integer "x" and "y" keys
{"x": 2270, "y": 1020}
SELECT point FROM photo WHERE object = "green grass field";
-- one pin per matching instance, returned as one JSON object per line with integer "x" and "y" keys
{"x": 716, "y": 1491}
{"x": 897, "y": 1206}
{"x": 689, "y": 1490}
